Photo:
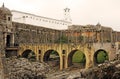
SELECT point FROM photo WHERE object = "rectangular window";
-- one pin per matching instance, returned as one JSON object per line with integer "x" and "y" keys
{"x": 9, "y": 19}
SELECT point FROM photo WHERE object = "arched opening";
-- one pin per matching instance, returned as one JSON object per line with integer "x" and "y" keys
{"x": 52, "y": 58}
{"x": 76, "y": 59}
{"x": 100, "y": 56}
{"x": 29, "y": 54}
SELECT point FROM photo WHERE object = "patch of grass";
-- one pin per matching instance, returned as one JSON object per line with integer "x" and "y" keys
{"x": 78, "y": 57}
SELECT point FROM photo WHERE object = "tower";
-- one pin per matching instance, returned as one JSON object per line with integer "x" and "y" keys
{"x": 6, "y": 21}
{"x": 6, "y": 16}
{"x": 67, "y": 16}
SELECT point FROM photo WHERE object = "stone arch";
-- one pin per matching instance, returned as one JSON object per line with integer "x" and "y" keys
{"x": 70, "y": 57}
{"x": 47, "y": 59}
{"x": 28, "y": 53}
{"x": 47, "y": 55}
{"x": 97, "y": 52}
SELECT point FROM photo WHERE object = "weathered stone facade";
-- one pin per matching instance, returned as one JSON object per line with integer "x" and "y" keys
{"x": 1, "y": 40}
{"x": 30, "y": 34}
{"x": 97, "y": 32}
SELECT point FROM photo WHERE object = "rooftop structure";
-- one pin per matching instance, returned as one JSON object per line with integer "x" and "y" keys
{"x": 32, "y": 19}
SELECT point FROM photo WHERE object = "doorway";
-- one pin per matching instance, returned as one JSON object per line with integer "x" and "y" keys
{"x": 8, "y": 39}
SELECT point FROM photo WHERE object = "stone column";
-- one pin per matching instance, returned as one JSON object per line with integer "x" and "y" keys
{"x": 42, "y": 55}
{"x": 37, "y": 52}
{"x": 12, "y": 41}
{"x": 61, "y": 63}
{"x": 61, "y": 56}
{"x": 88, "y": 58}
{"x": 5, "y": 38}
{"x": 64, "y": 59}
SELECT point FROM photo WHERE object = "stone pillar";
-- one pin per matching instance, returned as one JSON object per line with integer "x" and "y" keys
{"x": 61, "y": 56}
{"x": 37, "y": 53}
{"x": 61, "y": 62}
{"x": 64, "y": 59}
{"x": 5, "y": 38}
{"x": 12, "y": 41}
{"x": 42, "y": 56}
{"x": 65, "y": 62}
{"x": 88, "y": 58}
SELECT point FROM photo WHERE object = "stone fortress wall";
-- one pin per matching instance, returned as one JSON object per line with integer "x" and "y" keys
{"x": 25, "y": 33}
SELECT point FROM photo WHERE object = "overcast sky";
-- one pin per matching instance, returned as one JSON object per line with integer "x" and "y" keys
{"x": 83, "y": 12}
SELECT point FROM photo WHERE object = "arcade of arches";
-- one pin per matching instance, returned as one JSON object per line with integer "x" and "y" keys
{"x": 64, "y": 55}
